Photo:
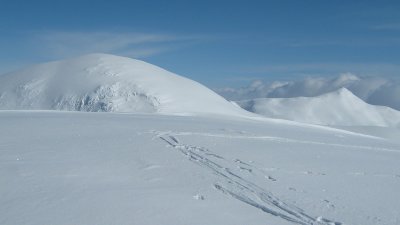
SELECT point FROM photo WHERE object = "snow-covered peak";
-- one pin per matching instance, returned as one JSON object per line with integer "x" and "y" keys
{"x": 340, "y": 107}
{"x": 343, "y": 92}
{"x": 341, "y": 95}
{"x": 102, "y": 82}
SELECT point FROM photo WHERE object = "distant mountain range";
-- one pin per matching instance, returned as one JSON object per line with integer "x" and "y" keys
{"x": 338, "y": 108}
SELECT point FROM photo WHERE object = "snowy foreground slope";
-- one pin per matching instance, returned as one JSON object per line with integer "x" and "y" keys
{"x": 338, "y": 108}
{"x": 108, "y": 168}
{"x": 177, "y": 153}
{"x": 108, "y": 83}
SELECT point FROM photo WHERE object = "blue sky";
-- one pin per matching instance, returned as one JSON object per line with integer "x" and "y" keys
{"x": 219, "y": 43}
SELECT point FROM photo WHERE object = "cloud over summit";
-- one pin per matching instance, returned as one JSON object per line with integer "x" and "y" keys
{"x": 373, "y": 90}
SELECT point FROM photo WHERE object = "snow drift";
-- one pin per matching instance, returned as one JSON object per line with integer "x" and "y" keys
{"x": 108, "y": 83}
{"x": 338, "y": 108}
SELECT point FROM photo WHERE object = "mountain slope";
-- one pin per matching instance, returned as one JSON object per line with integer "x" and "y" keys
{"x": 340, "y": 108}
{"x": 67, "y": 168}
{"x": 101, "y": 82}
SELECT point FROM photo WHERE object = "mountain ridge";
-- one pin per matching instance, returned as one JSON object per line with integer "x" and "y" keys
{"x": 340, "y": 107}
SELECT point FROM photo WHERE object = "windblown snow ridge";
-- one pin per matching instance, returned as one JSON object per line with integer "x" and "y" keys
{"x": 108, "y": 83}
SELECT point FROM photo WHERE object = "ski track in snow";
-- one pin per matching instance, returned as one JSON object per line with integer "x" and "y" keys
{"x": 276, "y": 139}
{"x": 234, "y": 185}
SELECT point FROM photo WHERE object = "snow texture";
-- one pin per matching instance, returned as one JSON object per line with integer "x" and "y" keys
{"x": 107, "y": 168}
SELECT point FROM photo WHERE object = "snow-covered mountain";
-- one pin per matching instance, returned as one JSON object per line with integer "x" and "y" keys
{"x": 108, "y": 83}
{"x": 338, "y": 108}
{"x": 151, "y": 167}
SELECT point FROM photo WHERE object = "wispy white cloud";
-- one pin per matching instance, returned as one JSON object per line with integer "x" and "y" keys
{"x": 139, "y": 45}
{"x": 144, "y": 52}
{"x": 387, "y": 26}
{"x": 32, "y": 47}
{"x": 369, "y": 69}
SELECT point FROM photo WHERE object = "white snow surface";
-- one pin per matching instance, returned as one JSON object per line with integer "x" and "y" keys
{"x": 108, "y": 83}
{"x": 89, "y": 168}
{"x": 218, "y": 164}
{"x": 338, "y": 108}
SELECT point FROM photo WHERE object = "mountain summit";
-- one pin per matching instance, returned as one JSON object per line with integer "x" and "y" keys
{"x": 338, "y": 108}
{"x": 108, "y": 83}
